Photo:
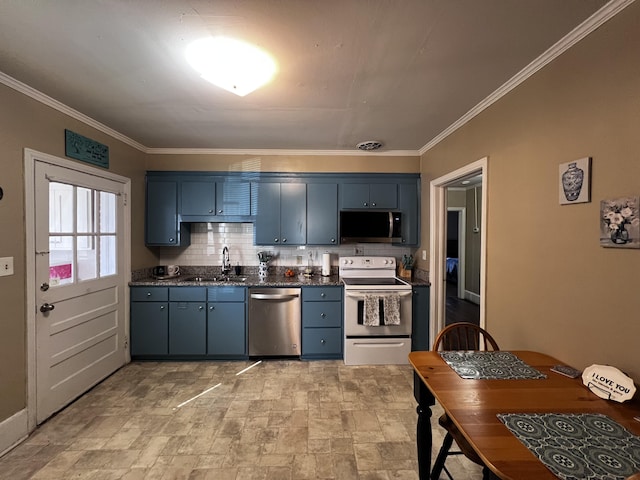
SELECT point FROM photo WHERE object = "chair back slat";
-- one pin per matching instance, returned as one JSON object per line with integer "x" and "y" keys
{"x": 464, "y": 336}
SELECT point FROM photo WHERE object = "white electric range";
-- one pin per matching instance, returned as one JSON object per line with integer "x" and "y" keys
{"x": 381, "y": 344}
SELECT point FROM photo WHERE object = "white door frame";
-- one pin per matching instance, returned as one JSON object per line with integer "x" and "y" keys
{"x": 462, "y": 247}
{"x": 30, "y": 158}
{"x": 438, "y": 239}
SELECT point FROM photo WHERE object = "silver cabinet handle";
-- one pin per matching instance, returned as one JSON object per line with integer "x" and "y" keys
{"x": 220, "y": 211}
{"x": 211, "y": 308}
{"x": 373, "y": 204}
{"x": 171, "y": 240}
{"x": 200, "y": 307}
{"x": 46, "y": 307}
{"x": 211, "y": 210}
{"x": 323, "y": 341}
{"x": 365, "y": 204}
{"x": 284, "y": 240}
{"x": 161, "y": 307}
{"x": 148, "y": 294}
{"x": 323, "y": 315}
{"x": 275, "y": 240}
{"x": 323, "y": 295}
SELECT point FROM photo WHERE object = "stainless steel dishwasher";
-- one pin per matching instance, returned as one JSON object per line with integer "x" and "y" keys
{"x": 274, "y": 321}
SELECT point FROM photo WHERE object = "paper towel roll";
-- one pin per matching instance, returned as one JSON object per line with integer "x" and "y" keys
{"x": 326, "y": 264}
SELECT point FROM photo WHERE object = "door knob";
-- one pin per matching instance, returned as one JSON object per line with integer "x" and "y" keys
{"x": 46, "y": 307}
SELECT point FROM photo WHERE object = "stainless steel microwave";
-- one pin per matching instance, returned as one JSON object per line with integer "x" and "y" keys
{"x": 366, "y": 226}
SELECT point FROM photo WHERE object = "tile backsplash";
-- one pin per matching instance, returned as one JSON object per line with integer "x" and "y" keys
{"x": 208, "y": 240}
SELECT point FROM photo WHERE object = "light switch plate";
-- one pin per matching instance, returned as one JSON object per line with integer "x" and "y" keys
{"x": 6, "y": 266}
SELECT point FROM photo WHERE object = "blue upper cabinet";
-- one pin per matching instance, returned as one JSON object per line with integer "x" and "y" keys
{"x": 214, "y": 199}
{"x": 408, "y": 204}
{"x": 233, "y": 198}
{"x": 322, "y": 214}
{"x": 365, "y": 195}
{"x": 198, "y": 197}
{"x": 280, "y": 213}
{"x": 162, "y": 226}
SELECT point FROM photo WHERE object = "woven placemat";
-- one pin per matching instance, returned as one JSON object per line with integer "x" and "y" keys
{"x": 490, "y": 365}
{"x": 578, "y": 446}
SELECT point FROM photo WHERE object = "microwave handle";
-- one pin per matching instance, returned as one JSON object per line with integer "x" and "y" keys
{"x": 390, "y": 224}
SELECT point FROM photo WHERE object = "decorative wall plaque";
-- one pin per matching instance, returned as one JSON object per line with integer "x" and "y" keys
{"x": 86, "y": 150}
{"x": 608, "y": 382}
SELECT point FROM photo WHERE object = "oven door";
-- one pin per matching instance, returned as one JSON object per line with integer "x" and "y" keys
{"x": 354, "y": 314}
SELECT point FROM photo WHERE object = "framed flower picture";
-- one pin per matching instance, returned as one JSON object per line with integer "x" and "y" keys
{"x": 619, "y": 222}
{"x": 575, "y": 181}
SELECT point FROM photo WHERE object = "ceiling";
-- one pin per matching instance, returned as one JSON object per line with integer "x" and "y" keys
{"x": 397, "y": 71}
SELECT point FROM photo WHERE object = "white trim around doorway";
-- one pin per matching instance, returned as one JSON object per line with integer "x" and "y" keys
{"x": 437, "y": 242}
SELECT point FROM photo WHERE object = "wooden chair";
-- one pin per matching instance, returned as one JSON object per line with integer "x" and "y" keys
{"x": 459, "y": 336}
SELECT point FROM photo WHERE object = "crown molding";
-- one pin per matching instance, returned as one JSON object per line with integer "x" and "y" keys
{"x": 61, "y": 107}
{"x": 283, "y": 152}
{"x": 607, "y": 12}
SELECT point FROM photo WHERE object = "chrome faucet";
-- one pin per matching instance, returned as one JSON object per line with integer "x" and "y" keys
{"x": 226, "y": 263}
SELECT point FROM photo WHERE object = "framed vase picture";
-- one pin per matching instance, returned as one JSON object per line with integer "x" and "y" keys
{"x": 619, "y": 222}
{"x": 575, "y": 181}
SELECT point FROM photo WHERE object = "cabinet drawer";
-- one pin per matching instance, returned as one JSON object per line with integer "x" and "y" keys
{"x": 322, "y": 341}
{"x": 320, "y": 294}
{"x": 322, "y": 314}
{"x": 188, "y": 294}
{"x": 226, "y": 294}
{"x": 149, "y": 294}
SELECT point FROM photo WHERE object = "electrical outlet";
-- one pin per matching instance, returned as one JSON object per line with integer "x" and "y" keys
{"x": 424, "y": 254}
{"x": 6, "y": 266}
{"x": 298, "y": 259}
{"x": 359, "y": 250}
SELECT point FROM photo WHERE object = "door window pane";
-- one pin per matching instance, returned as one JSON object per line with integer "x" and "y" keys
{"x": 87, "y": 258}
{"x": 85, "y": 210}
{"x": 107, "y": 255}
{"x": 60, "y": 208}
{"x": 61, "y": 271}
{"x": 107, "y": 212}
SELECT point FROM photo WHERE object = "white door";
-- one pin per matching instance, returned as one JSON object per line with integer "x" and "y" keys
{"x": 80, "y": 308}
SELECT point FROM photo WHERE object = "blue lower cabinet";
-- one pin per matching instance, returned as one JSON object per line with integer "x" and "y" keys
{"x": 322, "y": 343}
{"x": 187, "y": 328}
{"x": 226, "y": 329}
{"x": 322, "y": 333}
{"x": 149, "y": 329}
{"x": 227, "y": 322}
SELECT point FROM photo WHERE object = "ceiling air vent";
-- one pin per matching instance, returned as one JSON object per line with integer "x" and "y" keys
{"x": 369, "y": 145}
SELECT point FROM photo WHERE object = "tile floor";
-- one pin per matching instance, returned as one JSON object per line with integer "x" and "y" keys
{"x": 281, "y": 419}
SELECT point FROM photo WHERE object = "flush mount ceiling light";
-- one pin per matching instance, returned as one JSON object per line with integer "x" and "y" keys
{"x": 369, "y": 145}
{"x": 236, "y": 66}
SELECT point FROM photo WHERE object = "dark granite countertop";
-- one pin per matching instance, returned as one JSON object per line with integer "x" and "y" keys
{"x": 241, "y": 280}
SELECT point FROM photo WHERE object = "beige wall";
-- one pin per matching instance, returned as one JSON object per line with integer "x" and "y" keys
{"x": 26, "y": 123}
{"x": 550, "y": 286}
{"x": 371, "y": 163}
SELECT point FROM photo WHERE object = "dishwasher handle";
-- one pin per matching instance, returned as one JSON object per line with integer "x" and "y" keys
{"x": 271, "y": 296}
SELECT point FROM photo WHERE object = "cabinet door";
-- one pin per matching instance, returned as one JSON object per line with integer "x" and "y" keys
{"x": 267, "y": 212}
{"x": 383, "y": 195}
{"x": 355, "y": 195}
{"x": 187, "y": 328}
{"x": 226, "y": 329}
{"x": 233, "y": 198}
{"x": 322, "y": 213}
{"x": 149, "y": 328}
{"x": 162, "y": 212}
{"x": 408, "y": 205}
{"x": 293, "y": 213}
{"x": 322, "y": 342}
{"x": 198, "y": 197}
{"x": 420, "y": 313}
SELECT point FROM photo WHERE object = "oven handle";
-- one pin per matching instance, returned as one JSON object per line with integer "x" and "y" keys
{"x": 361, "y": 294}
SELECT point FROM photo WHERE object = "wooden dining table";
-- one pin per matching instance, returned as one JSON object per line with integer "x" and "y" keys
{"x": 473, "y": 405}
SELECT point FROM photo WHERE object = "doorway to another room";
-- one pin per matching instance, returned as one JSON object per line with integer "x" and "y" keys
{"x": 458, "y": 246}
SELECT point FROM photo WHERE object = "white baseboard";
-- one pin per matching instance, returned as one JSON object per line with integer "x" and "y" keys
{"x": 472, "y": 297}
{"x": 13, "y": 430}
